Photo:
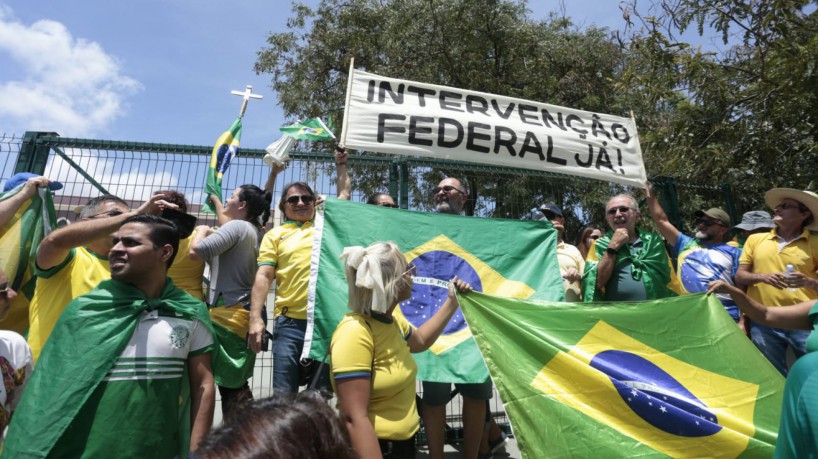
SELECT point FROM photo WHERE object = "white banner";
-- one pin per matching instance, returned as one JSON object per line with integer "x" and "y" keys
{"x": 408, "y": 118}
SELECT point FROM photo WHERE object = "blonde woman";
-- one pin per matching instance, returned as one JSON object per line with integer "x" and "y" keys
{"x": 373, "y": 372}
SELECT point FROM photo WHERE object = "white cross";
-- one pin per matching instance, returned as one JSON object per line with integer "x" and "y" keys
{"x": 247, "y": 94}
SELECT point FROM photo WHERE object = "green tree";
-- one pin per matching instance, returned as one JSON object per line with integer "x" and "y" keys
{"x": 747, "y": 115}
{"x": 483, "y": 45}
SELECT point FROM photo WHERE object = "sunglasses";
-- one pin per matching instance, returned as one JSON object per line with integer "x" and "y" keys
{"x": 448, "y": 188}
{"x": 786, "y": 205}
{"x": 109, "y": 213}
{"x": 305, "y": 198}
{"x": 388, "y": 204}
{"x": 594, "y": 237}
{"x": 620, "y": 209}
{"x": 708, "y": 223}
{"x": 410, "y": 269}
{"x": 550, "y": 215}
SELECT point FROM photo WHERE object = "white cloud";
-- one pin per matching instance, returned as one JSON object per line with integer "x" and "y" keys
{"x": 66, "y": 84}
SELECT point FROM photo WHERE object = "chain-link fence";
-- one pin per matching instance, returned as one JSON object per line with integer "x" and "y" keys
{"x": 134, "y": 170}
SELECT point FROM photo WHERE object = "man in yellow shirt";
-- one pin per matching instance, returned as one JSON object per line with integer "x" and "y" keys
{"x": 765, "y": 259}
{"x": 71, "y": 261}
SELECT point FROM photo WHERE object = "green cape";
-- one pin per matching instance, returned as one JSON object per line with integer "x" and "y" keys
{"x": 650, "y": 265}
{"x": 90, "y": 335}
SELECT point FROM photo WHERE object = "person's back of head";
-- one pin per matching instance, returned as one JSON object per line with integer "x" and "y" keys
{"x": 281, "y": 426}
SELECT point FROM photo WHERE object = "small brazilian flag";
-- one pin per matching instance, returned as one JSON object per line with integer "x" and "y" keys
{"x": 19, "y": 240}
{"x": 225, "y": 149}
{"x": 503, "y": 257}
{"x": 312, "y": 129}
{"x": 672, "y": 377}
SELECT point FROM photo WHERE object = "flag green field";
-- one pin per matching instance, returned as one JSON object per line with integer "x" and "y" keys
{"x": 504, "y": 257}
{"x": 19, "y": 239}
{"x": 672, "y": 377}
{"x": 311, "y": 129}
{"x": 225, "y": 149}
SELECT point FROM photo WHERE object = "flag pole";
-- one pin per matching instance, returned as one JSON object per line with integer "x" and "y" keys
{"x": 349, "y": 96}
{"x": 636, "y": 132}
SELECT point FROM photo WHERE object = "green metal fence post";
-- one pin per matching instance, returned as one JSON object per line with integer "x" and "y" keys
{"x": 669, "y": 199}
{"x": 730, "y": 202}
{"x": 33, "y": 157}
{"x": 404, "y": 183}
{"x": 394, "y": 178}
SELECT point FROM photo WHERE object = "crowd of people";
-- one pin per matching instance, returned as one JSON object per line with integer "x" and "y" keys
{"x": 125, "y": 347}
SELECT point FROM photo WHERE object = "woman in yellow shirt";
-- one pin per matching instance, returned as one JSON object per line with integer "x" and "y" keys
{"x": 373, "y": 372}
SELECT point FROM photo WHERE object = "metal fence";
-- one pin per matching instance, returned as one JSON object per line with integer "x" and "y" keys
{"x": 134, "y": 170}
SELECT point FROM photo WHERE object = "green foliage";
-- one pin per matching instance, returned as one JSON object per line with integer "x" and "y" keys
{"x": 746, "y": 115}
{"x": 482, "y": 45}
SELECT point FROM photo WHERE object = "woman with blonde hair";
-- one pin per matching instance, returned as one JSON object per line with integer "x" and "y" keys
{"x": 373, "y": 372}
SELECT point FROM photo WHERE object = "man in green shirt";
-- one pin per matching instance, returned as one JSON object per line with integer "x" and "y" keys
{"x": 627, "y": 263}
{"x": 127, "y": 369}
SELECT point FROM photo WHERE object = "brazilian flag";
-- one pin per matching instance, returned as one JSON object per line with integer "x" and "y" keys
{"x": 20, "y": 237}
{"x": 503, "y": 257}
{"x": 666, "y": 378}
{"x": 312, "y": 129}
{"x": 225, "y": 149}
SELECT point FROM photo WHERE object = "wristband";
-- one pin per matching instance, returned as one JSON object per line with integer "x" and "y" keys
{"x": 611, "y": 251}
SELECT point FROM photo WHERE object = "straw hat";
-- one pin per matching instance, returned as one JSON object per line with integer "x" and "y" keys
{"x": 807, "y": 198}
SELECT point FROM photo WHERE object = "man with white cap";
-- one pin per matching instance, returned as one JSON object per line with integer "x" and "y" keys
{"x": 765, "y": 259}
{"x": 704, "y": 258}
{"x": 752, "y": 222}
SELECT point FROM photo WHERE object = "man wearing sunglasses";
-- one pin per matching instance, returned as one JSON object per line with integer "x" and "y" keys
{"x": 627, "y": 263}
{"x": 764, "y": 261}
{"x": 284, "y": 256}
{"x": 450, "y": 197}
{"x": 703, "y": 259}
{"x": 72, "y": 260}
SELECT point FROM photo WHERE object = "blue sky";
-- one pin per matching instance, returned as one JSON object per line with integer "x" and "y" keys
{"x": 157, "y": 70}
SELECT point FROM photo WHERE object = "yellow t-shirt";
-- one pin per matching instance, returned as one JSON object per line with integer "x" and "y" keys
{"x": 77, "y": 275}
{"x": 392, "y": 408}
{"x": 762, "y": 254}
{"x": 187, "y": 273}
{"x": 289, "y": 248}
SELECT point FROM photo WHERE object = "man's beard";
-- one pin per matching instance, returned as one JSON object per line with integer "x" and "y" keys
{"x": 704, "y": 236}
{"x": 444, "y": 207}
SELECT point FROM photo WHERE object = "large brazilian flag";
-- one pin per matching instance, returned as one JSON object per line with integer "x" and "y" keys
{"x": 672, "y": 377}
{"x": 502, "y": 257}
{"x": 20, "y": 237}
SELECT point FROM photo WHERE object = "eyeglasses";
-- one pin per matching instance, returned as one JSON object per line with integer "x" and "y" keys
{"x": 595, "y": 237}
{"x": 108, "y": 213}
{"x": 786, "y": 205}
{"x": 708, "y": 223}
{"x": 388, "y": 204}
{"x": 410, "y": 269}
{"x": 550, "y": 215}
{"x": 448, "y": 188}
{"x": 620, "y": 209}
{"x": 305, "y": 198}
